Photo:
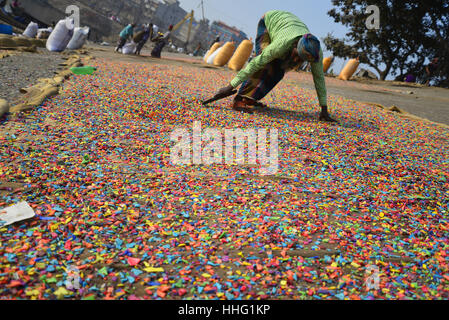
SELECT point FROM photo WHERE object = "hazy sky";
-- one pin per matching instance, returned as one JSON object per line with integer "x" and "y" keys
{"x": 245, "y": 14}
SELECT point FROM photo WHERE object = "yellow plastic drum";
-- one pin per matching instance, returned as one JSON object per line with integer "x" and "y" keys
{"x": 327, "y": 62}
{"x": 4, "y": 107}
{"x": 349, "y": 69}
{"x": 212, "y": 49}
{"x": 241, "y": 55}
{"x": 225, "y": 54}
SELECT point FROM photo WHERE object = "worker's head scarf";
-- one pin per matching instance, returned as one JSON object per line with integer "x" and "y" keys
{"x": 170, "y": 28}
{"x": 309, "y": 44}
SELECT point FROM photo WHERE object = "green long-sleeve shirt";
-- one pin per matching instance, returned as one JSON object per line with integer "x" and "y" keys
{"x": 284, "y": 29}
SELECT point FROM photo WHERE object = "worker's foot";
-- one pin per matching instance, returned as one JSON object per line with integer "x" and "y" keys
{"x": 240, "y": 105}
{"x": 250, "y": 102}
{"x": 256, "y": 103}
{"x": 325, "y": 117}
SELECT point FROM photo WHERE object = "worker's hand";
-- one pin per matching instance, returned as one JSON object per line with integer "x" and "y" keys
{"x": 226, "y": 91}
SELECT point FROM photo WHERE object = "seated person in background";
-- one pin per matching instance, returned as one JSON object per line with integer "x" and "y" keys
{"x": 17, "y": 9}
{"x": 410, "y": 78}
{"x": 6, "y": 7}
{"x": 13, "y": 9}
{"x": 431, "y": 70}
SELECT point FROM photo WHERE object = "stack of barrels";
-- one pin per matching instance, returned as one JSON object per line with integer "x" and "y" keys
{"x": 219, "y": 55}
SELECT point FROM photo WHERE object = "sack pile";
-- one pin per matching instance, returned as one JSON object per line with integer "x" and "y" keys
{"x": 78, "y": 39}
{"x": 31, "y": 30}
{"x": 129, "y": 48}
{"x": 61, "y": 36}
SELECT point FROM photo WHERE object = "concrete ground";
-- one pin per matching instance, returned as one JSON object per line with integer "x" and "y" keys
{"x": 425, "y": 102}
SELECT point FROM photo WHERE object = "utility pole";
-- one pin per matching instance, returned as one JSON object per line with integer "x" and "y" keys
{"x": 202, "y": 7}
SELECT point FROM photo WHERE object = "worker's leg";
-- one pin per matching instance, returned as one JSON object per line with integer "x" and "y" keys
{"x": 255, "y": 87}
{"x": 139, "y": 47}
{"x": 263, "y": 37}
{"x": 263, "y": 81}
{"x": 121, "y": 43}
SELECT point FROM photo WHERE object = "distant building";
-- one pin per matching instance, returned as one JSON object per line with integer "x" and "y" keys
{"x": 106, "y": 18}
{"x": 168, "y": 12}
{"x": 227, "y": 33}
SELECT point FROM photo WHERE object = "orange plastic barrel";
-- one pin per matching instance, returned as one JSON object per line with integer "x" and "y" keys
{"x": 327, "y": 62}
{"x": 225, "y": 54}
{"x": 212, "y": 49}
{"x": 241, "y": 55}
{"x": 349, "y": 69}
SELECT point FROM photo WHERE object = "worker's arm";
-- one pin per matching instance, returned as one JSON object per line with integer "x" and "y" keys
{"x": 319, "y": 80}
{"x": 156, "y": 38}
{"x": 274, "y": 51}
{"x": 320, "y": 86}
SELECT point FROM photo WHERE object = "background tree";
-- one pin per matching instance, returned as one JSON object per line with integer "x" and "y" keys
{"x": 436, "y": 23}
{"x": 410, "y": 33}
